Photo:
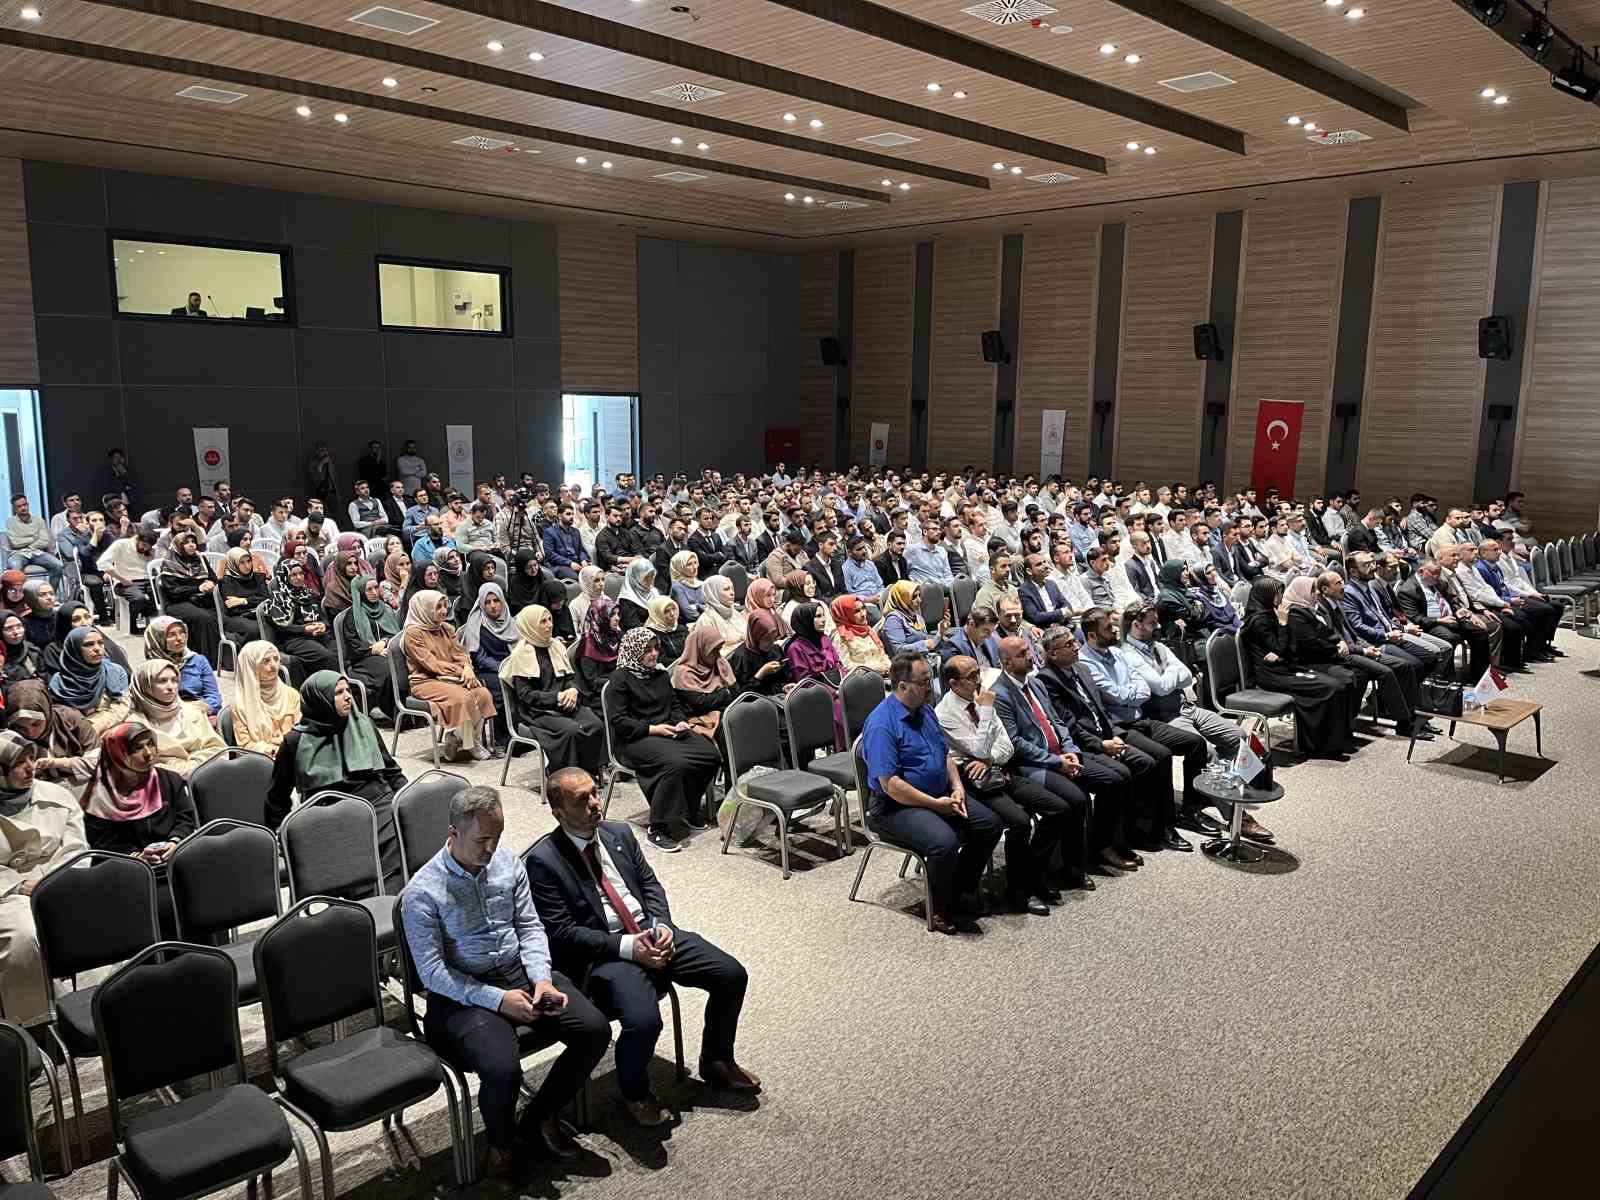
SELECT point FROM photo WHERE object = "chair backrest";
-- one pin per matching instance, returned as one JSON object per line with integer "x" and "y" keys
{"x": 808, "y": 711}
{"x": 750, "y": 724}
{"x": 169, "y": 1014}
{"x": 734, "y": 572}
{"x": 1587, "y": 542}
{"x": 341, "y": 939}
{"x": 153, "y": 574}
{"x": 858, "y": 763}
{"x": 17, "y": 1135}
{"x": 422, "y": 816}
{"x": 1541, "y": 573}
{"x": 214, "y": 560}
{"x": 343, "y": 629}
{"x": 605, "y": 719}
{"x": 1564, "y": 548}
{"x": 1552, "y": 562}
{"x": 232, "y": 784}
{"x": 574, "y": 590}
{"x": 222, "y": 876}
{"x": 1241, "y": 662}
{"x": 330, "y": 843}
{"x": 933, "y": 605}
{"x": 225, "y": 726}
{"x": 96, "y": 916}
{"x": 861, "y": 691}
{"x": 1222, "y": 667}
{"x": 264, "y": 626}
{"x": 962, "y": 593}
{"x": 613, "y": 584}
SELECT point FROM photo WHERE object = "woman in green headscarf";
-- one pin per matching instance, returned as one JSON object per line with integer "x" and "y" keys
{"x": 337, "y": 748}
{"x": 366, "y": 633}
{"x": 1181, "y": 614}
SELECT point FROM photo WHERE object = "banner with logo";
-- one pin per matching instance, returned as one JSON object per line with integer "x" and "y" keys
{"x": 458, "y": 447}
{"x": 1051, "y": 437}
{"x": 878, "y": 444}
{"x": 210, "y": 458}
{"x": 1277, "y": 451}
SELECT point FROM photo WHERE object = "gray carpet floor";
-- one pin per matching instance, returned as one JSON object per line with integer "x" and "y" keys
{"x": 1317, "y": 1027}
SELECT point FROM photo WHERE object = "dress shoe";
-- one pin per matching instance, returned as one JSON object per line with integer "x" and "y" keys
{"x": 943, "y": 924}
{"x": 1421, "y": 732}
{"x": 1111, "y": 858}
{"x": 500, "y": 1165}
{"x": 1086, "y": 884}
{"x": 1255, "y": 831}
{"x": 1029, "y": 904}
{"x": 730, "y": 1076}
{"x": 648, "y": 1112}
{"x": 1173, "y": 842}
{"x": 1137, "y": 860}
{"x": 1197, "y": 821}
{"x": 557, "y": 1140}
{"x": 1554, "y": 653}
{"x": 1050, "y": 895}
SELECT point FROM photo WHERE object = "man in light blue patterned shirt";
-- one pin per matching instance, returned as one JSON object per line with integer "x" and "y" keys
{"x": 481, "y": 952}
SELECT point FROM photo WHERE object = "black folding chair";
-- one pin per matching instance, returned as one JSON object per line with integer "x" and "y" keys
{"x": 933, "y": 605}
{"x": 421, "y": 812}
{"x": 348, "y": 1083}
{"x": 406, "y": 706}
{"x": 330, "y": 843}
{"x": 733, "y": 571}
{"x": 170, "y": 1015}
{"x": 21, "y": 1064}
{"x": 515, "y": 739}
{"x": 962, "y": 593}
{"x": 343, "y": 628}
{"x": 1231, "y": 690}
{"x": 876, "y": 839}
{"x": 232, "y": 784}
{"x": 224, "y": 876}
{"x": 619, "y": 766}
{"x": 750, "y": 728}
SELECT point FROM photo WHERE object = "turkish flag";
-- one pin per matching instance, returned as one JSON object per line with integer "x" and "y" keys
{"x": 1277, "y": 446}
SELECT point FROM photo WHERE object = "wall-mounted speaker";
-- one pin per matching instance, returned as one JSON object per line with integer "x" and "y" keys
{"x": 994, "y": 347}
{"x": 832, "y": 352}
{"x": 1207, "y": 342}
{"x": 1494, "y": 337}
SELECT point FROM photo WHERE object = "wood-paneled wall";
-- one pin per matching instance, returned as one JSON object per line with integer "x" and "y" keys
{"x": 1560, "y": 412}
{"x": 819, "y": 307}
{"x": 1424, "y": 395}
{"x": 966, "y": 301}
{"x": 599, "y": 310}
{"x": 1055, "y": 363}
{"x": 1292, "y": 267}
{"x": 1166, "y": 292}
{"x": 881, "y": 367}
{"x": 19, "y": 358}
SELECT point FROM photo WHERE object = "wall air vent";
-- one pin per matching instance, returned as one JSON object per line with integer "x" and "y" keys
{"x": 1009, "y": 12}
{"x": 889, "y": 139}
{"x": 679, "y": 176}
{"x": 392, "y": 20}
{"x": 1052, "y": 177}
{"x": 1202, "y": 82}
{"x": 845, "y": 204}
{"x": 1340, "y": 137}
{"x": 476, "y": 141}
{"x": 688, "y": 93}
{"x": 211, "y": 95}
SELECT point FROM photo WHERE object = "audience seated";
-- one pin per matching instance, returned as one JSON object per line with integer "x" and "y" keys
{"x": 38, "y": 612}
{"x": 186, "y": 586}
{"x": 294, "y": 614}
{"x": 857, "y": 642}
{"x": 686, "y": 586}
{"x": 23, "y": 659}
{"x": 975, "y": 638}
{"x": 90, "y": 679}
{"x": 264, "y": 706}
{"x": 167, "y": 638}
{"x": 185, "y": 737}
{"x": 1433, "y": 601}
{"x": 442, "y": 673}
{"x": 539, "y": 674}
{"x": 597, "y": 648}
{"x": 670, "y": 631}
{"x": 720, "y": 612}
{"x": 759, "y": 664}
{"x": 903, "y": 627}
{"x": 66, "y": 745}
{"x": 1324, "y": 710}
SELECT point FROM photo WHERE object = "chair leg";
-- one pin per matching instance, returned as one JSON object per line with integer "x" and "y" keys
{"x": 111, "y": 1180}
{"x": 783, "y": 842}
{"x": 62, "y": 1143}
{"x": 77, "y": 1106}
{"x": 505, "y": 767}
{"x": 394, "y": 742}
{"x": 611, "y": 782}
{"x": 927, "y": 899}
{"x": 303, "y": 1168}
{"x": 677, "y": 1034}
{"x": 433, "y": 736}
{"x": 457, "y": 1169}
{"x": 727, "y": 834}
{"x": 862, "y": 869}
{"x": 266, "y": 1183}
{"x": 326, "y": 1155}
{"x": 905, "y": 865}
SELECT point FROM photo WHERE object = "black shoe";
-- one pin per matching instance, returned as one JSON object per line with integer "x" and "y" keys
{"x": 1050, "y": 895}
{"x": 1029, "y": 904}
{"x": 1172, "y": 841}
{"x": 1554, "y": 653}
{"x": 664, "y": 841}
{"x": 695, "y": 820}
{"x": 1196, "y": 821}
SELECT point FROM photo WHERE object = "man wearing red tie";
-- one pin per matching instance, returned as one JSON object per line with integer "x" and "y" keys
{"x": 606, "y": 913}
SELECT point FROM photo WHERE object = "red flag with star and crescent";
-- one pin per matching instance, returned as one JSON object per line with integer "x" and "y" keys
{"x": 1277, "y": 446}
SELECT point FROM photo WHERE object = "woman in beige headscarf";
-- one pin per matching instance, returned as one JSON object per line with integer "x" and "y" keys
{"x": 720, "y": 614}
{"x": 591, "y": 583}
{"x": 538, "y": 675}
{"x": 442, "y": 674}
{"x": 265, "y": 707}
{"x": 184, "y": 736}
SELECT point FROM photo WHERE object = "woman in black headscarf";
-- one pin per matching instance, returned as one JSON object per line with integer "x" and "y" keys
{"x": 526, "y": 582}
{"x": 1321, "y": 716}
{"x": 244, "y": 589}
{"x": 452, "y": 580}
{"x": 480, "y": 569}
{"x": 426, "y": 578}
{"x": 552, "y": 594}
{"x": 300, "y": 630}
{"x": 186, "y": 587}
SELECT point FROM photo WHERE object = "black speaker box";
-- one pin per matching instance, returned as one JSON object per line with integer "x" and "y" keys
{"x": 1207, "y": 342}
{"x": 994, "y": 347}
{"x": 832, "y": 354}
{"x": 1494, "y": 338}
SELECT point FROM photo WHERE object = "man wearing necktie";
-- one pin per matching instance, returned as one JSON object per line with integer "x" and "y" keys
{"x": 606, "y": 913}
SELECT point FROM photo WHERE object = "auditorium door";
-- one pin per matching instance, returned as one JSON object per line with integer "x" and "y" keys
{"x": 599, "y": 438}
{"x": 22, "y": 451}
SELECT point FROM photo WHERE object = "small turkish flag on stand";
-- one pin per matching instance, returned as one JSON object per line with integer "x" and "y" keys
{"x": 1277, "y": 446}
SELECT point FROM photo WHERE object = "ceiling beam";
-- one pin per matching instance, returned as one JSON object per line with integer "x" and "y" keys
{"x": 877, "y": 21}
{"x": 427, "y": 112}
{"x": 641, "y": 43}
{"x": 316, "y": 36}
{"x": 1230, "y": 39}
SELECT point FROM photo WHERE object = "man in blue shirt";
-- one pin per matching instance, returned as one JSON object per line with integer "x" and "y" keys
{"x": 419, "y": 512}
{"x": 563, "y": 545}
{"x": 861, "y": 576}
{"x": 918, "y": 798}
{"x": 429, "y": 541}
{"x": 928, "y": 562}
{"x": 481, "y": 952}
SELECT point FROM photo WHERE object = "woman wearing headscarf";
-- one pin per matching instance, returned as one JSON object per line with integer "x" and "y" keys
{"x": 167, "y": 638}
{"x": 13, "y": 593}
{"x": 759, "y": 665}
{"x": 675, "y": 764}
{"x": 299, "y": 629}
{"x": 480, "y": 569}
{"x": 670, "y": 632}
{"x": 903, "y": 627}
{"x": 704, "y": 679}
{"x": 1317, "y": 644}
{"x": 488, "y": 636}
{"x": 41, "y": 828}
{"x": 597, "y": 649}
{"x": 539, "y": 676}
{"x": 552, "y": 594}
{"x": 1219, "y": 610}
{"x": 186, "y": 587}
{"x": 68, "y": 747}
{"x": 638, "y": 586}
{"x": 366, "y": 632}
{"x": 441, "y": 673}
{"x": 720, "y": 613}
{"x": 22, "y": 659}
{"x": 244, "y": 589}
{"x": 90, "y": 681}
{"x": 335, "y": 748}
{"x": 762, "y": 597}
{"x": 1181, "y": 614}
{"x": 811, "y": 655}
{"x": 801, "y": 588}
{"x": 686, "y": 585}
{"x": 452, "y": 575}
{"x": 185, "y": 737}
{"x": 425, "y": 578}
{"x": 244, "y": 539}
{"x": 858, "y": 642}
{"x": 1321, "y": 710}
{"x": 295, "y": 549}
{"x": 396, "y": 578}
{"x": 339, "y": 582}
{"x": 591, "y": 583}
{"x": 40, "y": 623}
{"x": 265, "y": 708}
{"x": 524, "y": 586}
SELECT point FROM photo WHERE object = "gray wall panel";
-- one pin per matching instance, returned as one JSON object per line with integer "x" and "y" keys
{"x": 78, "y": 350}
{"x": 446, "y": 360}
{"x": 535, "y": 294}
{"x": 330, "y": 223}
{"x": 204, "y": 354}
{"x": 347, "y": 418}
{"x": 451, "y": 237}
{"x": 73, "y": 458}
{"x": 263, "y": 438}
{"x": 64, "y": 194}
{"x": 71, "y": 273}
{"x": 335, "y": 288}
{"x": 341, "y": 358}
{"x": 193, "y": 208}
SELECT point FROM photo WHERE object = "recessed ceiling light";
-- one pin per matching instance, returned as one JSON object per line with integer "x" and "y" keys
{"x": 808, "y": 200}
{"x": 1488, "y": 93}
{"x": 1149, "y": 149}
{"x": 1294, "y": 120}
{"x": 1310, "y": 127}
{"x": 535, "y": 56}
{"x": 815, "y": 123}
{"x": 160, "y": 252}
{"x": 141, "y": 249}
{"x": 1108, "y": 47}
{"x": 959, "y": 95}
{"x": 999, "y": 166}
{"x": 1333, "y": 3}
{"x": 934, "y": 87}
{"x": 888, "y": 183}
{"x": 30, "y": 13}
{"x": 1355, "y": 14}
{"x": 702, "y": 146}
{"x": 494, "y": 47}
{"x": 342, "y": 118}
{"x": 1502, "y": 99}
{"x": 581, "y": 161}
{"x": 1133, "y": 145}
{"x": 789, "y": 196}
{"x": 1016, "y": 170}
{"x": 390, "y": 81}
{"x": 789, "y": 118}
{"x": 1130, "y": 59}
{"x": 303, "y": 110}
{"x": 605, "y": 166}
{"x": 1138, "y": 212}
{"x": 905, "y": 187}
{"x": 676, "y": 141}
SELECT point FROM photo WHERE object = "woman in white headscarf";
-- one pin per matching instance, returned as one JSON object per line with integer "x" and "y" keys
{"x": 539, "y": 676}
{"x": 488, "y": 636}
{"x": 591, "y": 583}
{"x": 638, "y": 589}
{"x": 265, "y": 707}
{"x": 719, "y": 612}
{"x": 184, "y": 736}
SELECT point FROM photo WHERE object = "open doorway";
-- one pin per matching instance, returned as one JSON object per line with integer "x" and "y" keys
{"x": 22, "y": 451}
{"x": 599, "y": 438}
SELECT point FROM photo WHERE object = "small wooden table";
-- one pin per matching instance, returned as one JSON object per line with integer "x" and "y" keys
{"x": 1499, "y": 717}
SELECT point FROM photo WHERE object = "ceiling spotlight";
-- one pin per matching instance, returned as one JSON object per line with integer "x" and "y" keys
{"x": 1502, "y": 98}
{"x": 1575, "y": 81}
{"x": 1130, "y": 59}
{"x": 1149, "y": 149}
{"x": 1294, "y": 120}
{"x": 605, "y": 166}
{"x": 789, "y": 196}
{"x": 302, "y": 110}
{"x": 1487, "y": 93}
{"x": 1355, "y": 14}
{"x": 1537, "y": 39}
{"x": 1108, "y": 47}
{"x": 1333, "y": 3}
{"x": 789, "y": 118}
{"x": 581, "y": 161}
{"x": 390, "y": 81}
{"x": 1016, "y": 170}
{"x": 959, "y": 95}
{"x": 29, "y": 13}
{"x": 888, "y": 183}
{"x": 535, "y": 56}
{"x": 905, "y": 187}
{"x": 999, "y": 166}
{"x": 815, "y": 122}
{"x": 808, "y": 200}
{"x": 676, "y": 141}
{"x": 342, "y": 118}
{"x": 1490, "y": 12}
{"x": 702, "y": 146}
{"x": 1310, "y": 126}
{"x": 934, "y": 87}
{"x": 1133, "y": 145}
{"x": 494, "y": 47}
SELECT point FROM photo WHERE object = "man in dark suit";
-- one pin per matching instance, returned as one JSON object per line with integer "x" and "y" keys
{"x": 1042, "y": 602}
{"x": 1432, "y": 600}
{"x": 707, "y": 542}
{"x": 975, "y": 638}
{"x": 827, "y": 567}
{"x": 606, "y": 914}
{"x": 770, "y": 538}
{"x": 1360, "y": 538}
{"x": 892, "y": 567}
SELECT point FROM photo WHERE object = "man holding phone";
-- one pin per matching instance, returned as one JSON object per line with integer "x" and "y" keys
{"x": 607, "y": 912}
{"x": 481, "y": 952}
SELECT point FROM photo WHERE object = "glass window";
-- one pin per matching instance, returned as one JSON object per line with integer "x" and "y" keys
{"x": 457, "y": 299}
{"x": 192, "y": 280}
